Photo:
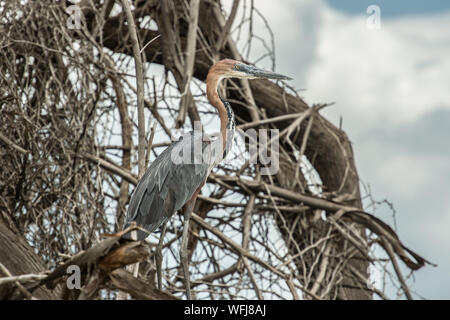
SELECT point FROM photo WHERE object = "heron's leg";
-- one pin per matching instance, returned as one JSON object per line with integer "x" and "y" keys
{"x": 159, "y": 255}
{"x": 134, "y": 267}
{"x": 184, "y": 254}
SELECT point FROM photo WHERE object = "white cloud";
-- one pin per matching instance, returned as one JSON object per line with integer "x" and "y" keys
{"x": 296, "y": 36}
{"x": 381, "y": 81}
{"x": 435, "y": 231}
{"x": 404, "y": 175}
{"x": 395, "y": 74}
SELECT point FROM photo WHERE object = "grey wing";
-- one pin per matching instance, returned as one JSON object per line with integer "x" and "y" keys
{"x": 165, "y": 187}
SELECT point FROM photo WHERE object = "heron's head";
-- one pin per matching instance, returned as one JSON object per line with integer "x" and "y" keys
{"x": 235, "y": 69}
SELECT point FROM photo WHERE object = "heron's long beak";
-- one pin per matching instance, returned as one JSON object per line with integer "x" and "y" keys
{"x": 252, "y": 71}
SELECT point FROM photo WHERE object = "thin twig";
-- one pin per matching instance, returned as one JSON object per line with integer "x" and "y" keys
{"x": 148, "y": 43}
{"x": 12, "y": 144}
{"x": 139, "y": 85}
{"x": 189, "y": 60}
{"x": 17, "y": 279}
{"x": 226, "y": 28}
{"x": 150, "y": 143}
{"x": 403, "y": 284}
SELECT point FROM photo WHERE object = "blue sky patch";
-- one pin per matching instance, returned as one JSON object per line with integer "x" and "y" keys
{"x": 391, "y": 8}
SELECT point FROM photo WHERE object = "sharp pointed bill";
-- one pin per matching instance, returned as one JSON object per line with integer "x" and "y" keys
{"x": 252, "y": 72}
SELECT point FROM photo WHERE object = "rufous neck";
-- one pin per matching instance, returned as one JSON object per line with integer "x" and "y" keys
{"x": 212, "y": 83}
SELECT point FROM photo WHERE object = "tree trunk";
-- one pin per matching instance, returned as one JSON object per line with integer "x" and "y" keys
{"x": 19, "y": 258}
{"x": 55, "y": 167}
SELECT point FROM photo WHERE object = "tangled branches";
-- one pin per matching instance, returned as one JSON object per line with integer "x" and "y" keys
{"x": 68, "y": 145}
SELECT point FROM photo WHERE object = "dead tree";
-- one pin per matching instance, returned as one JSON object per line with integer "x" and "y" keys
{"x": 69, "y": 141}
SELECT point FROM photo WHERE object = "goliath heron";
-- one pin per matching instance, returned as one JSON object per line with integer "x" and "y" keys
{"x": 171, "y": 183}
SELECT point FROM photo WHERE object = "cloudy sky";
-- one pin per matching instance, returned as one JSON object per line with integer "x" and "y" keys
{"x": 392, "y": 89}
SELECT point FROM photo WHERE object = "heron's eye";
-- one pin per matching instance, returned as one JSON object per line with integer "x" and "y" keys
{"x": 236, "y": 67}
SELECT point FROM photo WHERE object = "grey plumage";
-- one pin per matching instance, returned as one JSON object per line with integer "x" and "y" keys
{"x": 169, "y": 182}
{"x": 231, "y": 126}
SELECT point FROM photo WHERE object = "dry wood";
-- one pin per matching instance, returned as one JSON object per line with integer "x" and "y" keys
{"x": 189, "y": 60}
{"x": 67, "y": 146}
{"x": 139, "y": 84}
